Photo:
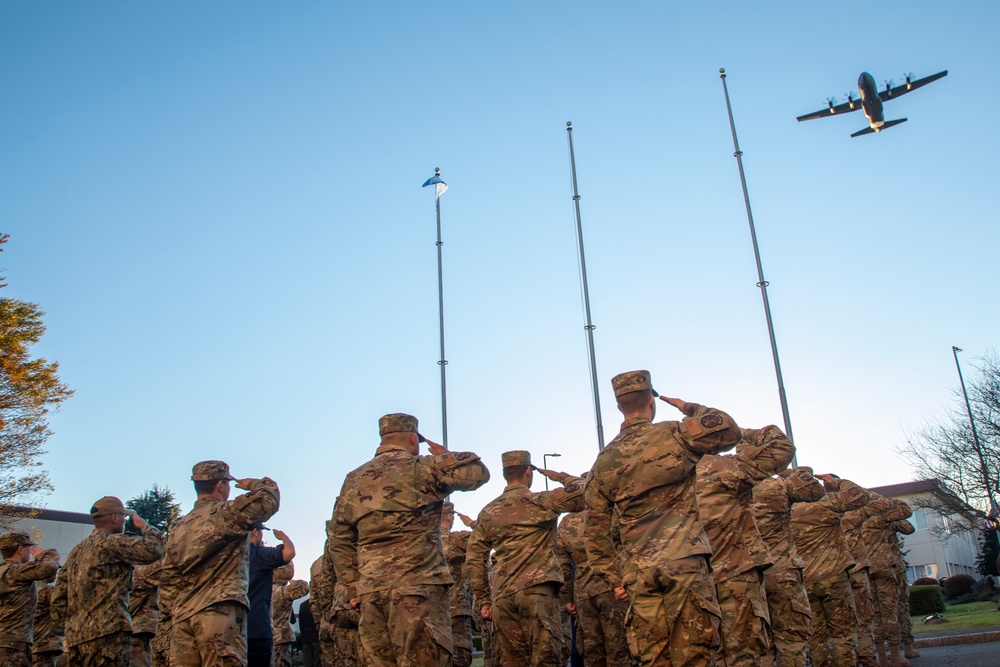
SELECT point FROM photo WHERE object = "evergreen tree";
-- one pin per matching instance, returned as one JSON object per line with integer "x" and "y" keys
{"x": 989, "y": 550}
{"x": 157, "y": 506}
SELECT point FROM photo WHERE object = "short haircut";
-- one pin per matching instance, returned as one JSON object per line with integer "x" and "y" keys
{"x": 8, "y": 552}
{"x": 203, "y": 487}
{"x": 514, "y": 472}
{"x": 635, "y": 401}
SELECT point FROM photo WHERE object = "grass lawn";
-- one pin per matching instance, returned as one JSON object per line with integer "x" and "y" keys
{"x": 477, "y": 662}
{"x": 969, "y": 616}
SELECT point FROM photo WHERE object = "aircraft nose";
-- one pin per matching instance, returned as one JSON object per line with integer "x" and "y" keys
{"x": 865, "y": 76}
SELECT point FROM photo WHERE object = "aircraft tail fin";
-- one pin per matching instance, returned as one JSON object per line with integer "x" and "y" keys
{"x": 885, "y": 126}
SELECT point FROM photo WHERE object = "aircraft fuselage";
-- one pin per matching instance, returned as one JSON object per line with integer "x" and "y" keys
{"x": 871, "y": 103}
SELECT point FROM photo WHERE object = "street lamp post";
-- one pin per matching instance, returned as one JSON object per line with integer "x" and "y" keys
{"x": 545, "y": 464}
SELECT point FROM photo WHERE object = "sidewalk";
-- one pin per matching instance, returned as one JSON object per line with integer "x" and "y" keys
{"x": 957, "y": 637}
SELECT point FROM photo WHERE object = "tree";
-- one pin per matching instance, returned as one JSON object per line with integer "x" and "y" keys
{"x": 29, "y": 388}
{"x": 946, "y": 450}
{"x": 157, "y": 506}
{"x": 989, "y": 550}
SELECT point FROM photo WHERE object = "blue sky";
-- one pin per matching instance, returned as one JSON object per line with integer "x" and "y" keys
{"x": 219, "y": 208}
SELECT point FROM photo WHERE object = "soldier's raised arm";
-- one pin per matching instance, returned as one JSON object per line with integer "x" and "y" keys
{"x": 763, "y": 452}
{"x": 802, "y": 487}
{"x": 705, "y": 430}
{"x": 142, "y": 549}
{"x": 455, "y": 471}
{"x": 903, "y": 527}
{"x": 843, "y": 495}
{"x": 569, "y": 498}
{"x": 296, "y": 588}
{"x": 257, "y": 505}
{"x": 886, "y": 511}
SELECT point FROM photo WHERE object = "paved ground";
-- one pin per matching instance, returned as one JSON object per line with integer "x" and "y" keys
{"x": 970, "y": 655}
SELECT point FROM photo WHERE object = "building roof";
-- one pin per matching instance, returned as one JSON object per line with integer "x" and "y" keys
{"x": 47, "y": 515}
{"x": 906, "y": 488}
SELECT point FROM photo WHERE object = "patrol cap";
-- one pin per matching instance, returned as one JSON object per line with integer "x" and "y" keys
{"x": 788, "y": 472}
{"x": 399, "y": 422}
{"x": 448, "y": 507}
{"x": 518, "y": 457}
{"x": 16, "y": 539}
{"x": 626, "y": 383}
{"x": 210, "y": 471}
{"x": 107, "y": 505}
{"x": 259, "y": 526}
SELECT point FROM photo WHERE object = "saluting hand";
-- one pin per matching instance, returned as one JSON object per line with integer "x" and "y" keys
{"x": 137, "y": 520}
{"x": 554, "y": 476}
{"x": 436, "y": 449}
{"x": 280, "y": 534}
{"x": 465, "y": 519}
{"x": 244, "y": 484}
{"x": 37, "y": 551}
{"x": 676, "y": 402}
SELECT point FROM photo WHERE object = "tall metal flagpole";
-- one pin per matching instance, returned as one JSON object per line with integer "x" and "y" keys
{"x": 589, "y": 327}
{"x": 761, "y": 283}
{"x": 994, "y": 509}
{"x": 442, "y": 362}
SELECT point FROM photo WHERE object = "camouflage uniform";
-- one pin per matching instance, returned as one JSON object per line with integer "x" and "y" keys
{"x": 203, "y": 585}
{"x": 521, "y": 527}
{"x": 282, "y": 596}
{"x": 600, "y": 618}
{"x": 144, "y": 608}
{"x": 739, "y": 555}
{"x": 860, "y": 585}
{"x": 386, "y": 547}
{"x": 454, "y": 544}
{"x": 92, "y": 593}
{"x": 490, "y": 656}
{"x": 647, "y": 474}
{"x": 821, "y": 544}
{"x": 787, "y": 600}
{"x": 899, "y": 564}
{"x": 338, "y": 633}
{"x": 19, "y": 599}
{"x": 884, "y": 576}
{"x": 48, "y": 645}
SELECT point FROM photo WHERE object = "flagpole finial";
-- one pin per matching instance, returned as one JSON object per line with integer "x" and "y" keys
{"x": 569, "y": 123}
{"x": 722, "y": 72}
{"x": 437, "y": 170}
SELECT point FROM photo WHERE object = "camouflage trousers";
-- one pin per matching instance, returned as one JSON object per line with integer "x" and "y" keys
{"x": 885, "y": 598}
{"x": 340, "y": 646}
{"x": 282, "y": 656}
{"x": 15, "y": 654}
{"x": 214, "y": 637}
{"x": 107, "y": 651}
{"x": 567, "y": 635}
{"x": 861, "y": 590}
{"x": 461, "y": 639}
{"x": 527, "y": 628}
{"x": 834, "y": 623}
{"x": 489, "y": 651}
{"x": 905, "y": 622}
{"x": 141, "y": 652}
{"x": 600, "y": 622}
{"x": 406, "y": 626}
{"x": 673, "y": 616}
{"x": 788, "y": 606}
{"x": 745, "y": 620}
{"x": 161, "y": 647}
{"x": 42, "y": 659}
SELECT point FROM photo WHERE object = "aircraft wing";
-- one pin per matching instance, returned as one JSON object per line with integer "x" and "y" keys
{"x": 895, "y": 92}
{"x": 853, "y": 105}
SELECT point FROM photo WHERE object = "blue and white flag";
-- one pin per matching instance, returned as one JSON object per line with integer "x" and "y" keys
{"x": 440, "y": 187}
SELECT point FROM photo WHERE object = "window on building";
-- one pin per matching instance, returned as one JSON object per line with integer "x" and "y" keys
{"x": 919, "y": 520}
{"x": 918, "y": 571}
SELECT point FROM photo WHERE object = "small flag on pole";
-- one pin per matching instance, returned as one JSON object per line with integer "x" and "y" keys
{"x": 440, "y": 187}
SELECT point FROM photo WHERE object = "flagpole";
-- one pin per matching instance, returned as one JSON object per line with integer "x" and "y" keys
{"x": 442, "y": 362}
{"x": 761, "y": 283}
{"x": 589, "y": 327}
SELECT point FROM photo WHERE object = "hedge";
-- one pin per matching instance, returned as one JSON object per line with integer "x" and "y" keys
{"x": 957, "y": 584}
{"x": 926, "y": 600}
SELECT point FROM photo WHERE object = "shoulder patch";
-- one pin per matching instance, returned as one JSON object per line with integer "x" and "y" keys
{"x": 711, "y": 421}
{"x": 461, "y": 456}
{"x": 572, "y": 487}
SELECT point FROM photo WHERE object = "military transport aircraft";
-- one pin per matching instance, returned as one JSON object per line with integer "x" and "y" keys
{"x": 871, "y": 101}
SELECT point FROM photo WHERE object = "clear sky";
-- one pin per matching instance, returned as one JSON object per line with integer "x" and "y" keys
{"x": 218, "y": 206}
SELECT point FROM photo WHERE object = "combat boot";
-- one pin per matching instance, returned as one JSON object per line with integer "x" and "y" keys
{"x": 883, "y": 660}
{"x": 910, "y": 651}
{"x": 895, "y": 657}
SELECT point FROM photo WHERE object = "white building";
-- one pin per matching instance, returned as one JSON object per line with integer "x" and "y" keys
{"x": 943, "y": 544}
{"x": 55, "y": 529}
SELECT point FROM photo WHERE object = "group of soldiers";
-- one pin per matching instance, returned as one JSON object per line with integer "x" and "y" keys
{"x": 670, "y": 553}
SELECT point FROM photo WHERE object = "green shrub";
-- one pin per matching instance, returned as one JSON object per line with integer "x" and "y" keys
{"x": 926, "y": 600}
{"x": 957, "y": 584}
{"x": 926, "y": 581}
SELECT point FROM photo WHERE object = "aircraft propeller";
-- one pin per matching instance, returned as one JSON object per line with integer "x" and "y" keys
{"x": 849, "y": 96}
{"x": 908, "y": 76}
{"x": 831, "y": 102}
{"x": 888, "y": 86}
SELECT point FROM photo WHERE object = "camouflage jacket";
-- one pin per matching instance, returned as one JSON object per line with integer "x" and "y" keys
{"x": 144, "y": 601}
{"x": 772, "y": 512}
{"x": 19, "y": 595}
{"x": 282, "y": 596}
{"x": 580, "y": 582}
{"x": 48, "y": 635}
{"x": 851, "y": 525}
{"x": 817, "y": 533}
{"x": 725, "y": 492}
{"x": 91, "y": 595}
{"x": 876, "y": 529}
{"x": 648, "y": 473}
{"x": 207, "y": 559}
{"x": 455, "y": 544}
{"x": 895, "y": 530}
{"x": 388, "y": 517}
{"x": 520, "y": 526}
{"x": 334, "y": 601}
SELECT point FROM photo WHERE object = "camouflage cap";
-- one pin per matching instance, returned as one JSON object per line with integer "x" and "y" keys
{"x": 791, "y": 471}
{"x": 448, "y": 507}
{"x": 399, "y": 422}
{"x": 107, "y": 505}
{"x": 16, "y": 539}
{"x": 626, "y": 383}
{"x": 518, "y": 457}
{"x": 210, "y": 471}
